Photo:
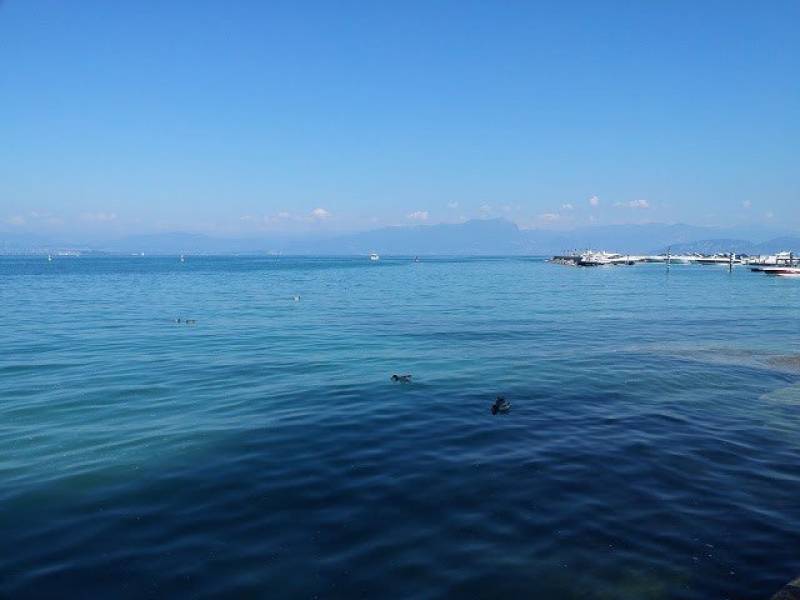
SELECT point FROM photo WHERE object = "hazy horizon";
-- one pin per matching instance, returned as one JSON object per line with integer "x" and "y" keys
{"x": 498, "y": 237}
{"x": 748, "y": 229}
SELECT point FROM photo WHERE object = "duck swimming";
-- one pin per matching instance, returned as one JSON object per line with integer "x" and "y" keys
{"x": 501, "y": 405}
{"x": 401, "y": 378}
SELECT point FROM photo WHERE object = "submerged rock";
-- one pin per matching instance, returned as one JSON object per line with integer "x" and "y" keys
{"x": 791, "y": 591}
{"x": 790, "y": 362}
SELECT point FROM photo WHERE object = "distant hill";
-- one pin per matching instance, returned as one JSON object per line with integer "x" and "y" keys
{"x": 477, "y": 237}
{"x": 501, "y": 237}
{"x": 778, "y": 244}
{"x": 181, "y": 243}
{"x": 713, "y": 247}
{"x": 491, "y": 236}
{"x": 645, "y": 238}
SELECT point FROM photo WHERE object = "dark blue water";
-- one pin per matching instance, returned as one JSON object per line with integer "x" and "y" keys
{"x": 652, "y": 449}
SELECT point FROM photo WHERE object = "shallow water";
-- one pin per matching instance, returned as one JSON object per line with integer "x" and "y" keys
{"x": 652, "y": 450}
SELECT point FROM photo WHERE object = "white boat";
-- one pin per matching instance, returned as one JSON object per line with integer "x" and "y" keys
{"x": 718, "y": 259}
{"x": 781, "y": 271}
{"x": 182, "y": 258}
{"x": 374, "y": 256}
{"x": 49, "y": 258}
{"x": 603, "y": 258}
{"x": 681, "y": 259}
{"x": 758, "y": 263}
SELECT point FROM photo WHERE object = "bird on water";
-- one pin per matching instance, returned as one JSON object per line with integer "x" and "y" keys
{"x": 501, "y": 405}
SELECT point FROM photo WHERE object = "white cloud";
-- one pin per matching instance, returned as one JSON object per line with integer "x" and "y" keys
{"x": 747, "y": 204}
{"x": 283, "y": 216}
{"x": 99, "y": 217}
{"x": 269, "y": 219}
{"x": 485, "y": 209}
{"x": 35, "y": 218}
{"x": 549, "y": 217}
{"x": 567, "y": 206}
{"x": 633, "y": 204}
{"x": 769, "y": 214}
{"x": 452, "y": 204}
{"x": 320, "y": 214}
{"x": 594, "y": 201}
{"x": 35, "y": 214}
{"x": 419, "y": 215}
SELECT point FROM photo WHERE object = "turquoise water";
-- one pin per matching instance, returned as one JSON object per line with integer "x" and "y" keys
{"x": 652, "y": 449}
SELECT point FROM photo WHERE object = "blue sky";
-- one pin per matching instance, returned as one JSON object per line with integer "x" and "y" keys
{"x": 242, "y": 117}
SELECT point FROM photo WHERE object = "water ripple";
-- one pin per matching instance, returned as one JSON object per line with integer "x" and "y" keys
{"x": 652, "y": 448}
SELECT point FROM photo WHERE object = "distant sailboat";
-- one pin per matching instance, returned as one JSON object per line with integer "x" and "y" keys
{"x": 182, "y": 258}
{"x": 49, "y": 258}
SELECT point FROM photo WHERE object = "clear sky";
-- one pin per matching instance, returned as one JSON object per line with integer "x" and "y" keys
{"x": 239, "y": 117}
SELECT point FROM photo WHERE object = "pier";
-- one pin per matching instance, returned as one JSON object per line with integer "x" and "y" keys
{"x": 783, "y": 263}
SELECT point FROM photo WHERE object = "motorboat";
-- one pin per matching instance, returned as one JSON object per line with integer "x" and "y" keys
{"x": 603, "y": 258}
{"x": 680, "y": 259}
{"x": 718, "y": 259}
{"x": 758, "y": 263}
{"x": 781, "y": 271}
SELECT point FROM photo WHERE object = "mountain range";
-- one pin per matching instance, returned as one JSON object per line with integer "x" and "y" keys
{"x": 476, "y": 237}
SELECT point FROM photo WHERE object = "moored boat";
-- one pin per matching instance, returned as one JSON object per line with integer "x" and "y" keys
{"x": 603, "y": 258}
{"x": 782, "y": 271}
{"x": 718, "y": 259}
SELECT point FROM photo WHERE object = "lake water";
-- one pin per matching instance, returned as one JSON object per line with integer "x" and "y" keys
{"x": 652, "y": 449}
